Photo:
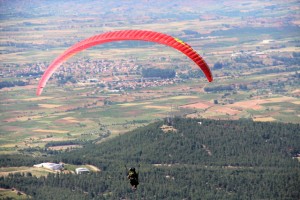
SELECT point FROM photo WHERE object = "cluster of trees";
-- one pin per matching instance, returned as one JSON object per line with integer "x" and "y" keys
{"x": 277, "y": 70}
{"x": 191, "y": 74}
{"x": 17, "y": 160}
{"x": 288, "y": 61}
{"x": 219, "y": 88}
{"x": 65, "y": 79}
{"x": 213, "y": 159}
{"x": 4, "y": 84}
{"x": 156, "y": 72}
{"x": 35, "y": 74}
{"x": 218, "y": 65}
{"x": 61, "y": 143}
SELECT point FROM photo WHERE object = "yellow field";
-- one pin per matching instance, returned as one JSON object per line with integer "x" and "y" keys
{"x": 134, "y": 104}
{"x": 93, "y": 168}
{"x": 4, "y": 171}
{"x": 264, "y": 119}
{"x": 53, "y": 139}
{"x": 281, "y": 99}
{"x": 296, "y": 102}
{"x": 38, "y": 98}
{"x": 49, "y": 105}
{"x": 165, "y": 108}
{"x": 71, "y": 119}
{"x": 184, "y": 97}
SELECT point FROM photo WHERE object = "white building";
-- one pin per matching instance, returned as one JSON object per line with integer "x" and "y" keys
{"x": 51, "y": 166}
{"x": 82, "y": 171}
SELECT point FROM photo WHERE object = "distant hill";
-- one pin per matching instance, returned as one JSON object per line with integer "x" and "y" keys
{"x": 198, "y": 158}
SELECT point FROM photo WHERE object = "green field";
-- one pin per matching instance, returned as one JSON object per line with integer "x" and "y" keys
{"x": 13, "y": 194}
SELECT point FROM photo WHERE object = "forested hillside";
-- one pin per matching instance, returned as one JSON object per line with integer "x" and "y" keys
{"x": 197, "y": 159}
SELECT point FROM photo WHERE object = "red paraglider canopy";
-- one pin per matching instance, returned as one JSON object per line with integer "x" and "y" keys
{"x": 150, "y": 36}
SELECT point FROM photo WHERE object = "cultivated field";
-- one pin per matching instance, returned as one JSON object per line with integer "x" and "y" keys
{"x": 33, "y": 122}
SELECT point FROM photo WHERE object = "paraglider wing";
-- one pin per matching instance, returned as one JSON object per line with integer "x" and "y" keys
{"x": 150, "y": 36}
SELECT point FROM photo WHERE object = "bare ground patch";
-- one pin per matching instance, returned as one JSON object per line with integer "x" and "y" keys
{"x": 251, "y": 104}
{"x": 93, "y": 168}
{"x": 22, "y": 119}
{"x": 225, "y": 110}
{"x": 166, "y": 128}
{"x": 257, "y": 104}
{"x": 12, "y": 128}
{"x": 68, "y": 120}
{"x": 206, "y": 149}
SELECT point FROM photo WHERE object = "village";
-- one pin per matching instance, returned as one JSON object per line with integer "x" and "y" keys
{"x": 117, "y": 75}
